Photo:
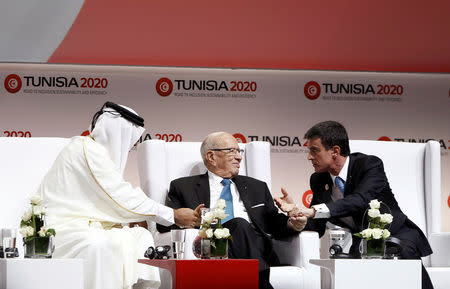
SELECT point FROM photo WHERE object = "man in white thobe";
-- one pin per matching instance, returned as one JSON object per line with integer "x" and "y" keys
{"x": 88, "y": 200}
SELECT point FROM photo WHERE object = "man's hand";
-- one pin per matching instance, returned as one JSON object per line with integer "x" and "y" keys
{"x": 188, "y": 218}
{"x": 298, "y": 222}
{"x": 286, "y": 204}
{"x": 307, "y": 212}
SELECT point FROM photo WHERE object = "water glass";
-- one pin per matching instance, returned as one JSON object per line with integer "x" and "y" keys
{"x": 178, "y": 243}
{"x": 9, "y": 242}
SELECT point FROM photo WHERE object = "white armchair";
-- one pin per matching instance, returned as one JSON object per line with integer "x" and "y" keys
{"x": 23, "y": 164}
{"x": 414, "y": 174}
{"x": 161, "y": 162}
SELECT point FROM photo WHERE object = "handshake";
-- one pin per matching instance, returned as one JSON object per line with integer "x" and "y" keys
{"x": 297, "y": 216}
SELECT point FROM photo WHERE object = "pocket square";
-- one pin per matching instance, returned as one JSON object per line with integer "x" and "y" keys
{"x": 258, "y": 205}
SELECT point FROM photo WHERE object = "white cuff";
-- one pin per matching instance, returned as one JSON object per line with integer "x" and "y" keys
{"x": 322, "y": 211}
{"x": 165, "y": 215}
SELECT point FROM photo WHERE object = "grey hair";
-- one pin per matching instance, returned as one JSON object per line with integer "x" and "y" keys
{"x": 210, "y": 142}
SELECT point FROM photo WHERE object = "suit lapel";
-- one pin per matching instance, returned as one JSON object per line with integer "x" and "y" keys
{"x": 202, "y": 190}
{"x": 243, "y": 191}
{"x": 246, "y": 198}
{"x": 349, "y": 183}
{"x": 350, "y": 172}
{"x": 327, "y": 188}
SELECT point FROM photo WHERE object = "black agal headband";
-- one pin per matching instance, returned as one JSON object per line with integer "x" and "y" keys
{"x": 123, "y": 112}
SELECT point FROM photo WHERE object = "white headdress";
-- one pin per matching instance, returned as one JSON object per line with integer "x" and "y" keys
{"x": 118, "y": 128}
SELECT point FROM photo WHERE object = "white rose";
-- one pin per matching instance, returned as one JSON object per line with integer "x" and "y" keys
{"x": 373, "y": 213}
{"x": 27, "y": 215}
{"x": 221, "y": 204}
{"x": 226, "y": 232}
{"x": 219, "y": 234}
{"x": 26, "y": 231}
{"x": 377, "y": 233}
{"x": 209, "y": 233}
{"x": 386, "y": 234}
{"x": 386, "y": 218}
{"x": 374, "y": 204}
{"x": 367, "y": 233}
{"x": 36, "y": 199}
{"x": 42, "y": 232}
{"x": 208, "y": 217}
{"x": 38, "y": 210}
{"x": 220, "y": 213}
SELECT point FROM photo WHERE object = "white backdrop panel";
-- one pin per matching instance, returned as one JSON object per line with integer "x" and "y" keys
{"x": 59, "y": 100}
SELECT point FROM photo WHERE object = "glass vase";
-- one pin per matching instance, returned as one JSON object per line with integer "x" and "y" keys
{"x": 202, "y": 248}
{"x": 205, "y": 249}
{"x": 38, "y": 248}
{"x": 373, "y": 249}
{"x": 219, "y": 249}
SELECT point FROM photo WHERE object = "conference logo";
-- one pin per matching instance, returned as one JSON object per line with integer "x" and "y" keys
{"x": 13, "y": 83}
{"x": 312, "y": 90}
{"x": 354, "y": 91}
{"x": 240, "y": 138}
{"x": 307, "y": 198}
{"x": 274, "y": 140}
{"x": 164, "y": 86}
{"x": 39, "y": 84}
{"x": 416, "y": 140}
{"x": 278, "y": 143}
{"x": 206, "y": 88}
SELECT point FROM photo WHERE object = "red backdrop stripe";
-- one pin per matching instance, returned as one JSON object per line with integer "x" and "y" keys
{"x": 379, "y": 35}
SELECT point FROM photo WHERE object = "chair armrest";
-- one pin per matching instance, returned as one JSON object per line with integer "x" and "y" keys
{"x": 297, "y": 250}
{"x": 441, "y": 250}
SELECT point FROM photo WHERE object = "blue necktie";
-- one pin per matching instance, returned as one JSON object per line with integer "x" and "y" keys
{"x": 340, "y": 184}
{"x": 226, "y": 195}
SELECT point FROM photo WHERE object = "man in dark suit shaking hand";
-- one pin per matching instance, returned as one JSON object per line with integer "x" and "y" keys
{"x": 253, "y": 217}
{"x": 343, "y": 184}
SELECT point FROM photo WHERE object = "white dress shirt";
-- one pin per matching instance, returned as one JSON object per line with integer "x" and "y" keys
{"x": 322, "y": 210}
{"x": 216, "y": 187}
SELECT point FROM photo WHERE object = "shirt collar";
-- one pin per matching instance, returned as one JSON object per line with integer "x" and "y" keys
{"x": 344, "y": 171}
{"x": 215, "y": 179}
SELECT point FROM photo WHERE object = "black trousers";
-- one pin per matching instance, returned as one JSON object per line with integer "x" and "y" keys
{"x": 409, "y": 251}
{"x": 248, "y": 243}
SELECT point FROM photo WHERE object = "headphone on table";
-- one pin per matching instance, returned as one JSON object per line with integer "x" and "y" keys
{"x": 160, "y": 252}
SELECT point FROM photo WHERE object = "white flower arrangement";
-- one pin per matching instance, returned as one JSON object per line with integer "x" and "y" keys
{"x": 32, "y": 223}
{"x": 211, "y": 227}
{"x": 377, "y": 223}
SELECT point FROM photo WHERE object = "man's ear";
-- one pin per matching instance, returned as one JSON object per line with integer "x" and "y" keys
{"x": 336, "y": 151}
{"x": 210, "y": 157}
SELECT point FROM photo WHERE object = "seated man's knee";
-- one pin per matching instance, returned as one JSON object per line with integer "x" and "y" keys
{"x": 237, "y": 224}
{"x": 99, "y": 242}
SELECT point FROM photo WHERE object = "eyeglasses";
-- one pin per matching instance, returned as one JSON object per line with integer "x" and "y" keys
{"x": 230, "y": 151}
{"x": 160, "y": 252}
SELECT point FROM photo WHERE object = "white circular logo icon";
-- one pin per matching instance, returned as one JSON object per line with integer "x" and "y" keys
{"x": 164, "y": 86}
{"x": 312, "y": 90}
{"x": 13, "y": 83}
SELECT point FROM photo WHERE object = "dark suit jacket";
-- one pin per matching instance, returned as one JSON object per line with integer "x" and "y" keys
{"x": 189, "y": 192}
{"x": 366, "y": 180}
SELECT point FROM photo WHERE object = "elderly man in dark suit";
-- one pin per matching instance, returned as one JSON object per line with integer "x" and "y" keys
{"x": 253, "y": 218}
{"x": 343, "y": 184}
